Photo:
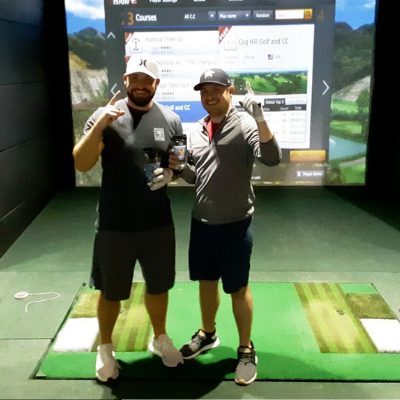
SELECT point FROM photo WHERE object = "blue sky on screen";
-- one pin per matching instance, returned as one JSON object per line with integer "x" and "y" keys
{"x": 90, "y": 13}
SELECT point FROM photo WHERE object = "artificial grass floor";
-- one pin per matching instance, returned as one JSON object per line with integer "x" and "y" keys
{"x": 301, "y": 331}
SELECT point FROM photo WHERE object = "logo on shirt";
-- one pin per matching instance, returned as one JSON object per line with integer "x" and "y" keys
{"x": 159, "y": 135}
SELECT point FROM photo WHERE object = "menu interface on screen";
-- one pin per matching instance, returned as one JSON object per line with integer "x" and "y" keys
{"x": 284, "y": 48}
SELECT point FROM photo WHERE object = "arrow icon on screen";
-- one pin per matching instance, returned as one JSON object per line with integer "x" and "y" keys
{"x": 110, "y": 34}
{"x": 327, "y": 88}
{"x": 113, "y": 88}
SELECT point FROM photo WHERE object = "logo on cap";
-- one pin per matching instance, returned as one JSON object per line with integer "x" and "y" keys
{"x": 214, "y": 75}
{"x": 142, "y": 63}
{"x": 209, "y": 74}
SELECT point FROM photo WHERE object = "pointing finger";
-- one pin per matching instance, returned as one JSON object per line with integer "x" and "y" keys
{"x": 249, "y": 89}
{"x": 114, "y": 98}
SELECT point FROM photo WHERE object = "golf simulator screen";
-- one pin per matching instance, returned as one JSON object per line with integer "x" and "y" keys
{"x": 308, "y": 67}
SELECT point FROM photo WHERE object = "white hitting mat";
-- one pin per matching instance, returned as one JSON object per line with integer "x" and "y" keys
{"x": 385, "y": 333}
{"x": 78, "y": 334}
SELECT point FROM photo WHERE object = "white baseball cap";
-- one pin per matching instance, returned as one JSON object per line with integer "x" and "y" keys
{"x": 142, "y": 63}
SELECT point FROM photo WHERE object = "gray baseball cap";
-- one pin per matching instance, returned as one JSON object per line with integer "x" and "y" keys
{"x": 214, "y": 75}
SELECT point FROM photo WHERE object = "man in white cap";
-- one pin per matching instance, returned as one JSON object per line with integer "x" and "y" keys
{"x": 134, "y": 220}
{"x": 223, "y": 149}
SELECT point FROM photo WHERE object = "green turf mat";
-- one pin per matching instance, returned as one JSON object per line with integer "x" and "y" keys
{"x": 301, "y": 331}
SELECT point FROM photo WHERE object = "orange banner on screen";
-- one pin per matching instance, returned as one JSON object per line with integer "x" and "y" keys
{"x": 307, "y": 155}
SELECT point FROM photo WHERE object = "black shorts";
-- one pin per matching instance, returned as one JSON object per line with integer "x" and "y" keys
{"x": 115, "y": 254}
{"x": 221, "y": 251}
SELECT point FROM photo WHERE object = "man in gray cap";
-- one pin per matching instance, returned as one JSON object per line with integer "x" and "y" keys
{"x": 223, "y": 149}
{"x": 134, "y": 214}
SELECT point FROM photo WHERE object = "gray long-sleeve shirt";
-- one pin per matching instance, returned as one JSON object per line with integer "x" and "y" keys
{"x": 222, "y": 168}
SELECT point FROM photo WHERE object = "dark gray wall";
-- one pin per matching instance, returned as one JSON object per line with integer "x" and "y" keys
{"x": 383, "y": 155}
{"x": 35, "y": 110}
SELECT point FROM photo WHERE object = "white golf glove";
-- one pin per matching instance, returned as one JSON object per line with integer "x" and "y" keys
{"x": 163, "y": 176}
{"x": 251, "y": 105}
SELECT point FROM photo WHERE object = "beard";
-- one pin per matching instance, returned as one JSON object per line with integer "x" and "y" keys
{"x": 142, "y": 100}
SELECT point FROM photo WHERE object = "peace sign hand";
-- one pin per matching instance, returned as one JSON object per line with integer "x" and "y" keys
{"x": 251, "y": 105}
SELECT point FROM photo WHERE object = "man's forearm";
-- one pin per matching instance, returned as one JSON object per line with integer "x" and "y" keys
{"x": 264, "y": 133}
{"x": 188, "y": 174}
{"x": 87, "y": 151}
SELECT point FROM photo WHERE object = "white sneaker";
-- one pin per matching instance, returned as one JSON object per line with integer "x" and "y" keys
{"x": 106, "y": 364}
{"x": 163, "y": 347}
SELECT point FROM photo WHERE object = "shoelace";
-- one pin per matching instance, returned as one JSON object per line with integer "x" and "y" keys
{"x": 196, "y": 339}
{"x": 108, "y": 352}
{"x": 246, "y": 358}
{"x": 168, "y": 346}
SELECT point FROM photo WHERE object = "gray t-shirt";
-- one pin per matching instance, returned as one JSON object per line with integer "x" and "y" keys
{"x": 126, "y": 202}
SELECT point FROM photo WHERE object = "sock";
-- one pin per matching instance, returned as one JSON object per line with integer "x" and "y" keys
{"x": 208, "y": 334}
{"x": 247, "y": 347}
